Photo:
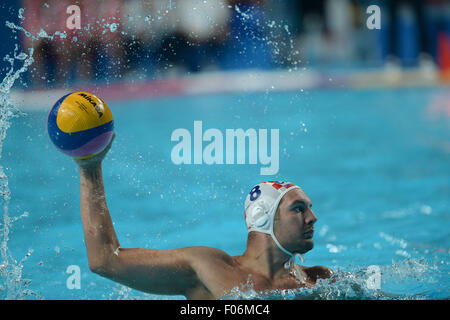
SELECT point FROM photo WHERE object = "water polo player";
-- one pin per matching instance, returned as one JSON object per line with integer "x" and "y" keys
{"x": 280, "y": 224}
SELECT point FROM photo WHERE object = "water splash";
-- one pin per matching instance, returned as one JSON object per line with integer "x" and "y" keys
{"x": 352, "y": 283}
{"x": 12, "y": 285}
{"x": 277, "y": 36}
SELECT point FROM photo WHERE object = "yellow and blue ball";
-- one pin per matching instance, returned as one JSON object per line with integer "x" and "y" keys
{"x": 80, "y": 125}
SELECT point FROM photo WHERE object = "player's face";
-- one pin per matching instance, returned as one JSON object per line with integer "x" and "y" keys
{"x": 294, "y": 222}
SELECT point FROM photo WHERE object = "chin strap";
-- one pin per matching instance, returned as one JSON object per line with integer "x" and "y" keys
{"x": 291, "y": 262}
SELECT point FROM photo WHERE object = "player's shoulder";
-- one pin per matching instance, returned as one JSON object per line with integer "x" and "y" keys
{"x": 212, "y": 254}
{"x": 318, "y": 272}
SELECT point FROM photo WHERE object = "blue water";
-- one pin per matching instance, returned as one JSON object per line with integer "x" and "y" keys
{"x": 375, "y": 164}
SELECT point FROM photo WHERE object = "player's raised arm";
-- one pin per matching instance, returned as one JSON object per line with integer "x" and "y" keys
{"x": 155, "y": 271}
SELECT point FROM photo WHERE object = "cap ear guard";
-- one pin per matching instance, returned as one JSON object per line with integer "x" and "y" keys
{"x": 258, "y": 216}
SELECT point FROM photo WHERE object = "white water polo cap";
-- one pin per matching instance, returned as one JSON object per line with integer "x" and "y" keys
{"x": 261, "y": 205}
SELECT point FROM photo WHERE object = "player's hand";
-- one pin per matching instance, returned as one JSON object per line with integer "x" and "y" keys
{"x": 95, "y": 160}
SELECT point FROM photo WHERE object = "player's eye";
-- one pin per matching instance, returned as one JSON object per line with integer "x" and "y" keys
{"x": 299, "y": 209}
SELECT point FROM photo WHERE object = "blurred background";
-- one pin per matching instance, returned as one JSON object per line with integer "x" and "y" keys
{"x": 134, "y": 39}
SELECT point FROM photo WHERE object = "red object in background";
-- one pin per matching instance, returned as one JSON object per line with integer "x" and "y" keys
{"x": 96, "y": 17}
{"x": 444, "y": 55}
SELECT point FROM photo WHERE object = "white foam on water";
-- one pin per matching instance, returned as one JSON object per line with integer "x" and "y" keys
{"x": 353, "y": 283}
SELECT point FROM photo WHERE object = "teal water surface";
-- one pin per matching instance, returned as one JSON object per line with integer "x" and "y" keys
{"x": 375, "y": 164}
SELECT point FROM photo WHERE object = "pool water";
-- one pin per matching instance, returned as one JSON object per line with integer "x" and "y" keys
{"x": 375, "y": 164}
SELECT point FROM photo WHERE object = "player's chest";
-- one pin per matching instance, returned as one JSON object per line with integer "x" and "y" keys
{"x": 242, "y": 285}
